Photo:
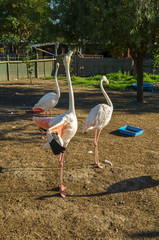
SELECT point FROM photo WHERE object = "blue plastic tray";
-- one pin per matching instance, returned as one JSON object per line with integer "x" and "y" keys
{"x": 146, "y": 86}
{"x": 131, "y": 131}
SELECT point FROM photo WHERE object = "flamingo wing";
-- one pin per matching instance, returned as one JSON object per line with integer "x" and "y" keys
{"x": 43, "y": 123}
{"x": 65, "y": 125}
{"x": 59, "y": 128}
{"x": 54, "y": 135}
{"x": 48, "y": 101}
{"x": 98, "y": 117}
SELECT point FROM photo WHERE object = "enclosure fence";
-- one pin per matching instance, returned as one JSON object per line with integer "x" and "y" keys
{"x": 11, "y": 69}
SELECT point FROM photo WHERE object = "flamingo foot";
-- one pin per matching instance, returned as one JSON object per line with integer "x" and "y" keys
{"x": 61, "y": 189}
{"x": 62, "y": 194}
{"x": 99, "y": 165}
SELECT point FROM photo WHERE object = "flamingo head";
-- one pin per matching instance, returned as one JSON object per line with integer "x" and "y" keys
{"x": 67, "y": 58}
{"x": 103, "y": 78}
{"x": 57, "y": 65}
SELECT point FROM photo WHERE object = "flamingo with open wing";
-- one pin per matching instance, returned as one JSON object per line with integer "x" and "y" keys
{"x": 62, "y": 128}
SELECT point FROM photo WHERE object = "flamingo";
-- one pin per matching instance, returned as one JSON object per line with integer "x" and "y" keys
{"x": 49, "y": 100}
{"x": 98, "y": 118}
{"x": 62, "y": 128}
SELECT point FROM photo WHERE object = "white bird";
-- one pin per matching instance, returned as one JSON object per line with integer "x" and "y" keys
{"x": 62, "y": 128}
{"x": 49, "y": 100}
{"x": 98, "y": 118}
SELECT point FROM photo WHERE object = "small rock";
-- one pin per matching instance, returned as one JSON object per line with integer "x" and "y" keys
{"x": 115, "y": 230}
{"x": 89, "y": 152}
{"x": 121, "y": 202}
{"x": 86, "y": 188}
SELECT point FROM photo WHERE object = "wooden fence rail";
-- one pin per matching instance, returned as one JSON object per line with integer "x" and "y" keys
{"x": 10, "y": 70}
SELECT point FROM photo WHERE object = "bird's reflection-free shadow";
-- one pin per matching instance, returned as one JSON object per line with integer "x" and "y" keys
{"x": 146, "y": 234}
{"x": 1, "y": 169}
{"x": 50, "y": 196}
{"x": 128, "y": 185}
{"x": 133, "y": 184}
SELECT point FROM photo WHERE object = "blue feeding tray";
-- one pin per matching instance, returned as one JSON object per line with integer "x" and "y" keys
{"x": 146, "y": 86}
{"x": 131, "y": 131}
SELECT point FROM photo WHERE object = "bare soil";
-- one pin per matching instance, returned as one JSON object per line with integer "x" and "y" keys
{"x": 117, "y": 202}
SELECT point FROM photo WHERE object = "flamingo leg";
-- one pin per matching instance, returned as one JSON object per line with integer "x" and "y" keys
{"x": 97, "y": 134}
{"x": 61, "y": 187}
{"x": 42, "y": 123}
{"x": 42, "y": 133}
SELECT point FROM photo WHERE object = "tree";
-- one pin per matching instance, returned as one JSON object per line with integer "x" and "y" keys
{"x": 155, "y": 61}
{"x": 29, "y": 63}
{"x": 115, "y": 24}
{"x": 73, "y": 20}
{"x": 135, "y": 25}
{"x": 22, "y": 21}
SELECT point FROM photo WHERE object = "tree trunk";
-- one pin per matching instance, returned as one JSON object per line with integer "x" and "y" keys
{"x": 30, "y": 78}
{"x": 139, "y": 69}
{"x": 138, "y": 58}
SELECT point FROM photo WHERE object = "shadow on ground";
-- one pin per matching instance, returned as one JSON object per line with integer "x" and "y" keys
{"x": 146, "y": 235}
{"x": 128, "y": 185}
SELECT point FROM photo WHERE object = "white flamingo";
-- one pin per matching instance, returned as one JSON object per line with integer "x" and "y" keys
{"x": 98, "y": 118}
{"x": 62, "y": 128}
{"x": 49, "y": 100}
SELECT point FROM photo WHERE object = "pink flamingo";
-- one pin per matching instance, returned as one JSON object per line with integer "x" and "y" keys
{"x": 98, "y": 118}
{"x": 49, "y": 100}
{"x": 62, "y": 128}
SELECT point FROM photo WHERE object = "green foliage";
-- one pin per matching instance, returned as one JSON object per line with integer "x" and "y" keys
{"x": 84, "y": 82}
{"x": 51, "y": 77}
{"x": 19, "y": 20}
{"x": 117, "y": 81}
{"x": 29, "y": 63}
{"x": 134, "y": 24}
{"x": 155, "y": 60}
{"x": 114, "y": 25}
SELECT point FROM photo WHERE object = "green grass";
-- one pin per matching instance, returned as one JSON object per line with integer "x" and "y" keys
{"x": 117, "y": 81}
{"x": 52, "y": 77}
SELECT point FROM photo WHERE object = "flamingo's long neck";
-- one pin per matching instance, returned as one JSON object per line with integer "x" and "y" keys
{"x": 106, "y": 95}
{"x": 71, "y": 95}
{"x": 56, "y": 83}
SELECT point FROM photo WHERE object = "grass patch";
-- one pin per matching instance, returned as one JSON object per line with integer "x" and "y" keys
{"x": 52, "y": 77}
{"x": 117, "y": 81}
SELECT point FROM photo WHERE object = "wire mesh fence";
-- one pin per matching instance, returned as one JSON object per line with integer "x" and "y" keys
{"x": 15, "y": 66}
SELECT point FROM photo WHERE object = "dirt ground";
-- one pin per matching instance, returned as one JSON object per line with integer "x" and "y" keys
{"x": 117, "y": 202}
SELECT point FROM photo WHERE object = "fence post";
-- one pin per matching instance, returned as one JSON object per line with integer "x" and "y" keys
{"x": 44, "y": 70}
{"x": 54, "y": 66}
{"x": 75, "y": 65}
{"x": 18, "y": 67}
{"x": 37, "y": 66}
{"x": 18, "y": 70}
{"x": 8, "y": 68}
